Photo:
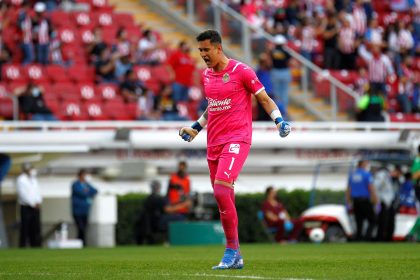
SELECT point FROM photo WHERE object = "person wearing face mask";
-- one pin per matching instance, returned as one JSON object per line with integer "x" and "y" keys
{"x": 30, "y": 199}
{"x": 361, "y": 196}
{"x": 82, "y": 194}
{"x": 179, "y": 188}
{"x": 32, "y": 104}
{"x": 182, "y": 67}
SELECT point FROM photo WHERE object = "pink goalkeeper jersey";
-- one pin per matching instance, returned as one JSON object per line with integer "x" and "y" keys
{"x": 229, "y": 103}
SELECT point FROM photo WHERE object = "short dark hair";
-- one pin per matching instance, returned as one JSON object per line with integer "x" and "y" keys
{"x": 81, "y": 172}
{"x": 211, "y": 35}
{"x": 268, "y": 190}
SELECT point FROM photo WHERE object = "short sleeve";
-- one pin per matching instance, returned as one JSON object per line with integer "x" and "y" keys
{"x": 250, "y": 81}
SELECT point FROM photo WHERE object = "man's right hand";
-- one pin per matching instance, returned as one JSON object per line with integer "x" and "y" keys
{"x": 188, "y": 133}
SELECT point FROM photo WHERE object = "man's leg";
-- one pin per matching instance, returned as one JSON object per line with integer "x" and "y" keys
{"x": 229, "y": 165}
{"x": 358, "y": 215}
{"x": 24, "y": 229}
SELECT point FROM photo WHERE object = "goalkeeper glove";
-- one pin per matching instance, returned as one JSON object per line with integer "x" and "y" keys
{"x": 283, "y": 127}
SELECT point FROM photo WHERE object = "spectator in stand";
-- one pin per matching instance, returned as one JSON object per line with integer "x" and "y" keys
{"x": 55, "y": 51}
{"x": 30, "y": 200}
{"x": 347, "y": 44}
{"x": 32, "y": 104}
{"x": 4, "y": 52}
{"x": 40, "y": 31}
{"x": 379, "y": 67}
{"x": 123, "y": 64}
{"x": 276, "y": 216}
{"x": 371, "y": 107}
{"x": 361, "y": 196}
{"x": 148, "y": 48}
{"x": 374, "y": 32}
{"x": 264, "y": 75}
{"x": 82, "y": 194}
{"x": 386, "y": 195}
{"x": 182, "y": 67}
{"x": 95, "y": 48}
{"x": 134, "y": 91}
{"x": 25, "y": 27}
{"x": 329, "y": 33}
{"x": 406, "y": 85}
{"x": 105, "y": 66}
{"x": 280, "y": 73}
{"x": 362, "y": 82}
{"x": 293, "y": 13}
{"x": 308, "y": 38}
{"x": 166, "y": 106}
{"x": 123, "y": 45}
{"x": 359, "y": 22}
{"x": 179, "y": 189}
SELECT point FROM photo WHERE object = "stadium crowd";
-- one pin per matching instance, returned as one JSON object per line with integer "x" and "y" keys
{"x": 84, "y": 61}
{"x": 81, "y": 60}
{"x": 372, "y": 46}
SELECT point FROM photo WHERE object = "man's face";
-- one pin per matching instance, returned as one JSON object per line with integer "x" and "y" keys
{"x": 209, "y": 52}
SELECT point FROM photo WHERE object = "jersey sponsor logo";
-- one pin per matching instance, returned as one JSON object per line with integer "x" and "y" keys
{"x": 219, "y": 105}
{"x": 226, "y": 78}
{"x": 234, "y": 148}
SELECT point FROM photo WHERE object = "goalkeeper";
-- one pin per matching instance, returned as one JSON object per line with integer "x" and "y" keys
{"x": 228, "y": 85}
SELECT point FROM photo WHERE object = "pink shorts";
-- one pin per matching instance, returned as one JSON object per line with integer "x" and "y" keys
{"x": 225, "y": 161}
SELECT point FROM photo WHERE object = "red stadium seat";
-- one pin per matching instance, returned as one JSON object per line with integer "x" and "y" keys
{"x": 66, "y": 91}
{"x": 36, "y": 73}
{"x": 143, "y": 73}
{"x": 13, "y": 73}
{"x": 80, "y": 73}
{"x": 109, "y": 34}
{"x": 161, "y": 73}
{"x": 6, "y": 103}
{"x": 104, "y": 19}
{"x": 68, "y": 36}
{"x": 86, "y": 35}
{"x": 108, "y": 92}
{"x": 87, "y": 92}
{"x": 57, "y": 73}
{"x": 124, "y": 20}
{"x": 117, "y": 111}
{"x": 73, "y": 111}
{"x": 83, "y": 19}
{"x": 60, "y": 18}
{"x": 95, "y": 111}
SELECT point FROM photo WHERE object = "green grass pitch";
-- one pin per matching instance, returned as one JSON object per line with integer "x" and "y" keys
{"x": 262, "y": 261}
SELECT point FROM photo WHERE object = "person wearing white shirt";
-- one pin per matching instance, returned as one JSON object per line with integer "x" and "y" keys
{"x": 30, "y": 199}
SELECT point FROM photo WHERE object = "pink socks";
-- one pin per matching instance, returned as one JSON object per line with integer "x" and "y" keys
{"x": 225, "y": 198}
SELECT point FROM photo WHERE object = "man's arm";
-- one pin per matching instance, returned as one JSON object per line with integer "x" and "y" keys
{"x": 189, "y": 133}
{"x": 271, "y": 109}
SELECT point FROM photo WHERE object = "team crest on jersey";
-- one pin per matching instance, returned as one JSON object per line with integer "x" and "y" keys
{"x": 234, "y": 148}
{"x": 226, "y": 78}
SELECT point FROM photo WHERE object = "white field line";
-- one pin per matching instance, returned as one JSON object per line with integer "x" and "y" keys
{"x": 243, "y": 276}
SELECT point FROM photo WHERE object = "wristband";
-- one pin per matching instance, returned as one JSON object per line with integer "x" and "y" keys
{"x": 276, "y": 116}
{"x": 197, "y": 126}
{"x": 202, "y": 121}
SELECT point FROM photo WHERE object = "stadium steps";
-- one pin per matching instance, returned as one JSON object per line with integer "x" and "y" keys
{"x": 318, "y": 109}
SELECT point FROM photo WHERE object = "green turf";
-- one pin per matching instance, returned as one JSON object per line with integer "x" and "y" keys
{"x": 294, "y": 261}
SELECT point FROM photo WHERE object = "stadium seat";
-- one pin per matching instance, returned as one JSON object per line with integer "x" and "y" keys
{"x": 161, "y": 73}
{"x": 143, "y": 73}
{"x": 66, "y": 91}
{"x": 60, "y": 18}
{"x": 84, "y": 19}
{"x": 13, "y": 73}
{"x": 109, "y": 34}
{"x": 81, "y": 73}
{"x": 86, "y": 35}
{"x": 95, "y": 111}
{"x": 73, "y": 111}
{"x": 67, "y": 35}
{"x": 125, "y": 20}
{"x": 117, "y": 111}
{"x": 57, "y": 73}
{"x": 104, "y": 19}
{"x": 87, "y": 92}
{"x": 36, "y": 73}
{"x": 6, "y": 103}
{"x": 108, "y": 92}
